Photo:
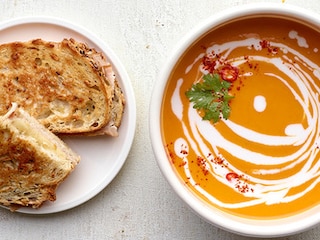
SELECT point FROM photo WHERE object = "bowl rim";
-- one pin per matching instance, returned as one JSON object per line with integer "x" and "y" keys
{"x": 228, "y": 222}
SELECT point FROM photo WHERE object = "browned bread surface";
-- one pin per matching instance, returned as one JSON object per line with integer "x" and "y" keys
{"x": 67, "y": 86}
{"x": 33, "y": 161}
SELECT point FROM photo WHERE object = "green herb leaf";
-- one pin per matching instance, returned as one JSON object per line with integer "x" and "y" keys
{"x": 212, "y": 97}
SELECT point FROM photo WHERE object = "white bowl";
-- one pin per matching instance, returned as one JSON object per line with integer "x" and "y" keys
{"x": 240, "y": 225}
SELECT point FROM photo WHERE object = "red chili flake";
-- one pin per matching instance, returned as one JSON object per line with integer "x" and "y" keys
{"x": 209, "y": 64}
{"x": 201, "y": 162}
{"x": 218, "y": 160}
{"x": 203, "y": 47}
{"x": 274, "y": 50}
{"x": 231, "y": 175}
{"x": 264, "y": 44}
{"x": 229, "y": 73}
{"x": 183, "y": 163}
{"x": 243, "y": 188}
{"x": 185, "y": 152}
{"x": 171, "y": 153}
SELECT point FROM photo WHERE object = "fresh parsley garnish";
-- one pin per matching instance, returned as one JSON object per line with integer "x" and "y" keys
{"x": 212, "y": 97}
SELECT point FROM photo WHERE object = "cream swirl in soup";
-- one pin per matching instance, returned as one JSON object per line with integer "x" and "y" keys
{"x": 263, "y": 161}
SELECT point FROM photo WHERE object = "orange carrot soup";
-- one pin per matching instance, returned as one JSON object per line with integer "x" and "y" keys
{"x": 262, "y": 159}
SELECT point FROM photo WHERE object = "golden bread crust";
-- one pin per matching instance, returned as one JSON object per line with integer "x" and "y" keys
{"x": 60, "y": 84}
{"x": 33, "y": 161}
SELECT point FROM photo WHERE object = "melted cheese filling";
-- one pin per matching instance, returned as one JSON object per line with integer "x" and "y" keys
{"x": 34, "y": 135}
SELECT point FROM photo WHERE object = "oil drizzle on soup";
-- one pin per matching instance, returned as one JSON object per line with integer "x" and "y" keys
{"x": 264, "y": 160}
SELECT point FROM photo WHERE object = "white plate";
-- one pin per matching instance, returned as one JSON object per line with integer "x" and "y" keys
{"x": 101, "y": 157}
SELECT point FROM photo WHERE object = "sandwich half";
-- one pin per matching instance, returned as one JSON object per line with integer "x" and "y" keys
{"x": 67, "y": 86}
{"x": 33, "y": 161}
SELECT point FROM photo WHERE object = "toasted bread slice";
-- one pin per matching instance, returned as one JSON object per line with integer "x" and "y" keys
{"x": 113, "y": 88}
{"x": 64, "y": 85}
{"x": 33, "y": 160}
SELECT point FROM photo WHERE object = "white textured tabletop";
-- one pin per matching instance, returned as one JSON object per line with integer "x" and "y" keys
{"x": 139, "y": 203}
